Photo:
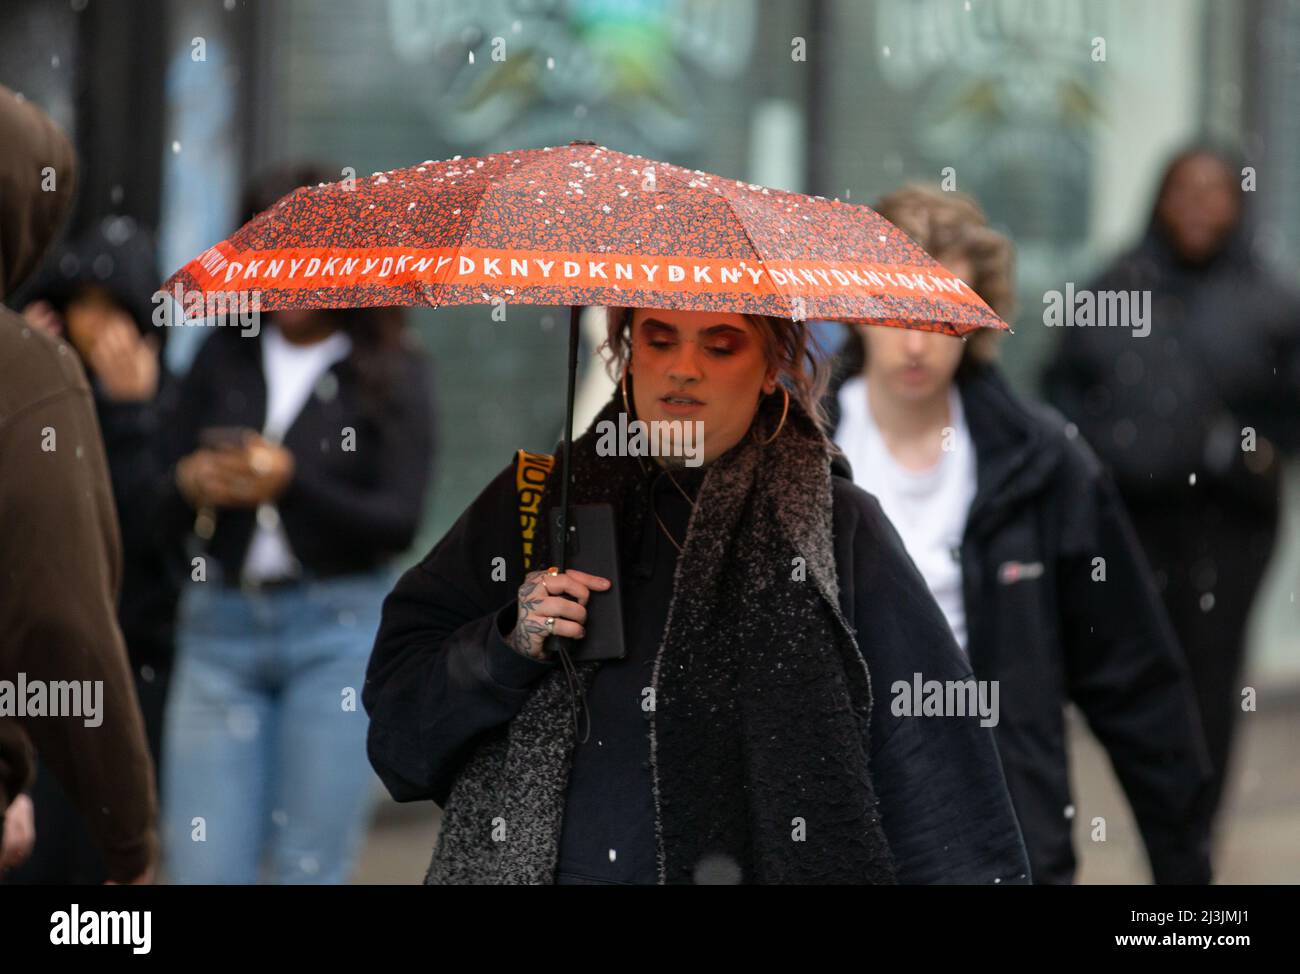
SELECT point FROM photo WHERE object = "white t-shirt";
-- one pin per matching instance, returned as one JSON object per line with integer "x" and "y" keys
{"x": 291, "y": 373}
{"x": 927, "y": 507}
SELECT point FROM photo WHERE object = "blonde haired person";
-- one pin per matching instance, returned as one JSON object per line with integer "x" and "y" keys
{"x": 1007, "y": 514}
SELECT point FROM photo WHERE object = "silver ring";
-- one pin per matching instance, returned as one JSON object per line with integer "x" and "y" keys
{"x": 550, "y": 624}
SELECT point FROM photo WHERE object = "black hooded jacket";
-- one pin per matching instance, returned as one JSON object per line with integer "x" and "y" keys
{"x": 118, "y": 256}
{"x": 1222, "y": 357}
{"x": 442, "y": 675}
{"x": 1060, "y": 607}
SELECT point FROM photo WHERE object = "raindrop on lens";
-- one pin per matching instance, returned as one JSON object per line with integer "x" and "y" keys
{"x": 327, "y": 387}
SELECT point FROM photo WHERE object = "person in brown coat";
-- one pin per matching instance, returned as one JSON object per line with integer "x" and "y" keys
{"x": 60, "y": 552}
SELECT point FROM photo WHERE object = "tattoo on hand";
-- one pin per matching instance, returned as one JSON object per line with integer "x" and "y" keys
{"x": 526, "y": 628}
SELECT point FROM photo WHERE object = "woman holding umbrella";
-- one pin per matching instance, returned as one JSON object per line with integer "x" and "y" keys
{"x": 769, "y": 607}
{"x": 745, "y": 731}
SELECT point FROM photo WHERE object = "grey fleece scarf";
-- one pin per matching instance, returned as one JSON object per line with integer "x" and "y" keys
{"x": 759, "y": 738}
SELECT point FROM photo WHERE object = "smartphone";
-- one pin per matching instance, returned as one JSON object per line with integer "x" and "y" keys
{"x": 593, "y": 548}
{"x": 224, "y": 437}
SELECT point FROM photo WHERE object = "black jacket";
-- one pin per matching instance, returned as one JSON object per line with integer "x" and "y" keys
{"x": 346, "y": 510}
{"x": 118, "y": 256}
{"x": 1223, "y": 355}
{"x": 1045, "y": 521}
{"x": 442, "y": 674}
{"x": 147, "y": 609}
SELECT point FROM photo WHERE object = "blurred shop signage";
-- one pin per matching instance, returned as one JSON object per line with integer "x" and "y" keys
{"x": 528, "y": 73}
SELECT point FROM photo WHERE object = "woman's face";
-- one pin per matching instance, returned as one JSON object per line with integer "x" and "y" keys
{"x": 912, "y": 365}
{"x": 303, "y": 327}
{"x": 699, "y": 365}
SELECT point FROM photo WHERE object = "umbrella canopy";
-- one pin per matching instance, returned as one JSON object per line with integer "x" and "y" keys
{"x": 578, "y": 225}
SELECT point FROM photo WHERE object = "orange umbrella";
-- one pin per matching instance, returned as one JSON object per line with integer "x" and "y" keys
{"x": 578, "y": 224}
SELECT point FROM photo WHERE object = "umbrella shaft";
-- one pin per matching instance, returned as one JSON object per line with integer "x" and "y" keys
{"x": 575, "y": 312}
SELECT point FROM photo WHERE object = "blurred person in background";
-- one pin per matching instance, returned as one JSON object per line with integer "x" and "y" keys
{"x": 748, "y": 689}
{"x": 1006, "y": 512}
{"x": 1191, "y": 417}
{"x": 300, "y": 460}
{"x": 60, "y": 554}
{"x": 96, "y": 294}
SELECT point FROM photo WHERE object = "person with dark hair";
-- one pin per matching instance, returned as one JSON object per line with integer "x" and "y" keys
{"x": 1192, "y": 417}
{"x": 1022, "y": 539}
{"x": 300, "y": 457}
{"x": 95, "y": 293}
{"x": 768, "y": 611}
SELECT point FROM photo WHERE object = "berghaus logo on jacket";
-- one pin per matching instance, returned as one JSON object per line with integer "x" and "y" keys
{"x": 1010, "y": 572}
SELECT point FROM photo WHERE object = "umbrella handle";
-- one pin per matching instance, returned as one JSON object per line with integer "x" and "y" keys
{"x": 554, "y": 644}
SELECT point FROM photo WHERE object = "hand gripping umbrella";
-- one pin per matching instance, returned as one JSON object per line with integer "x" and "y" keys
{"x": 578, "y": 224}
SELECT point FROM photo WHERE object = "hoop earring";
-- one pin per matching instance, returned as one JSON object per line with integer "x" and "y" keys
{"x": 785, "y": 409}
{"x": 623, "y": 385}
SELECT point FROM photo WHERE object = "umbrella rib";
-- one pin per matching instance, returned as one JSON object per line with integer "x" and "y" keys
{"x": 745, "y": 230}
{"x": 469, "y": 226}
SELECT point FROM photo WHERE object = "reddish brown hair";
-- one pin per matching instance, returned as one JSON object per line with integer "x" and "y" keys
{"x": 788, "y": 346}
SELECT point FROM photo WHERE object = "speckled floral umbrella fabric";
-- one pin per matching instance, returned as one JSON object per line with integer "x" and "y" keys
{"x": 580, "y": 225}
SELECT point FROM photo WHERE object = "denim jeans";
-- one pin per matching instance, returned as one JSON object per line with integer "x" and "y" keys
{"x": 264, "y": 753}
